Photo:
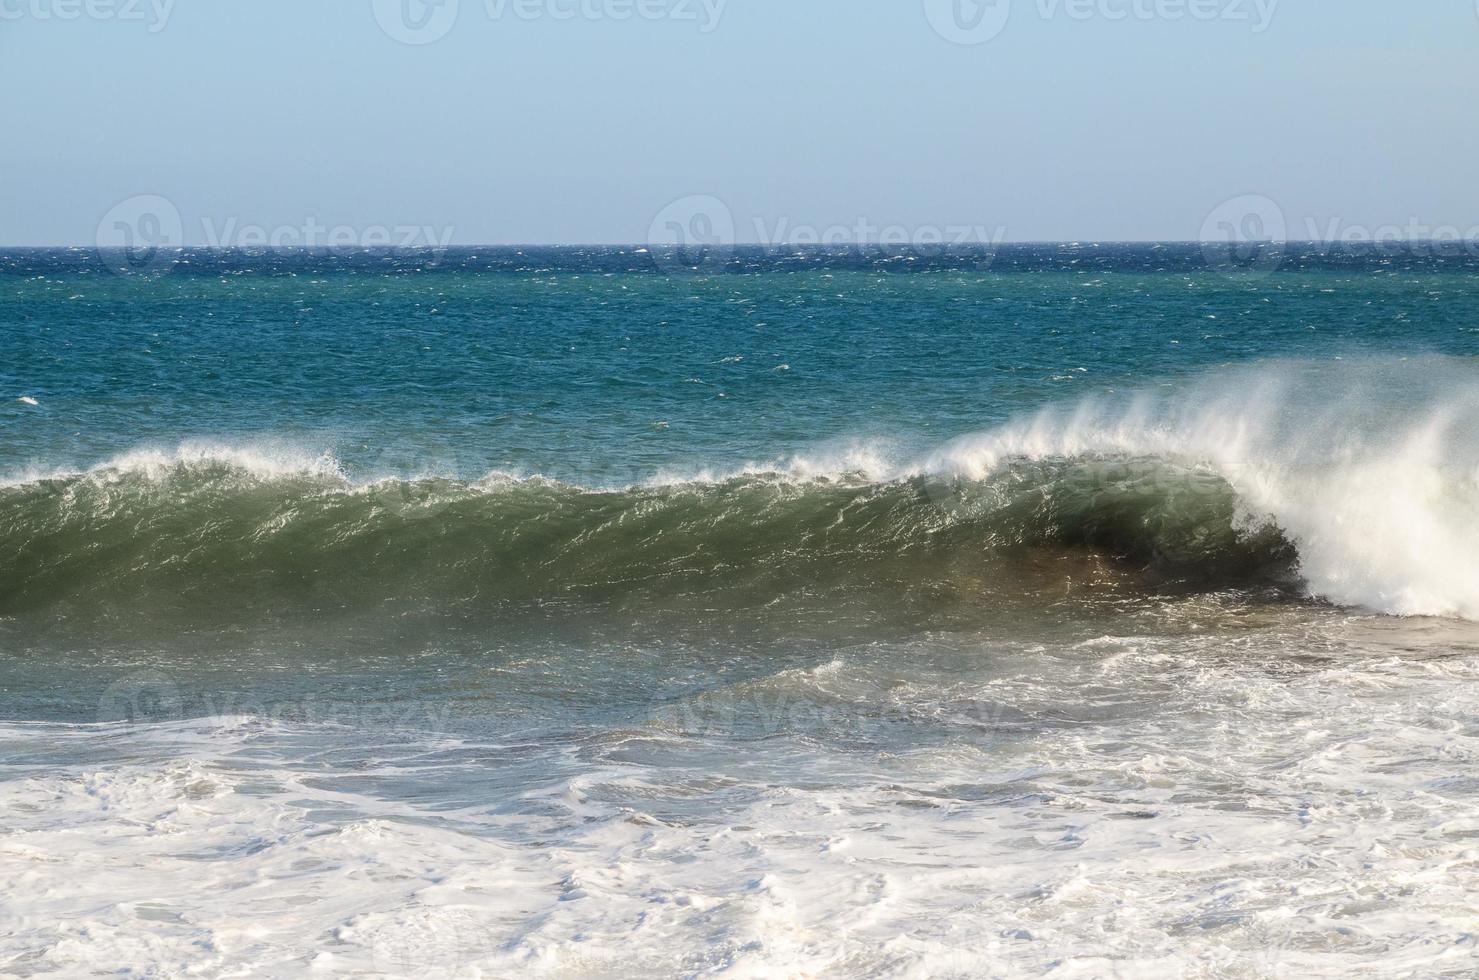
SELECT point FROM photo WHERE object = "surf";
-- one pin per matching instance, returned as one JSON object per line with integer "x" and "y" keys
{"x": 1355, "y": 493}
{"x": 1369, "y": 468}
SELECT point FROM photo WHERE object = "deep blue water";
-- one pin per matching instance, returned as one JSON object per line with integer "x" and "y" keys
{"x": 596, "y": 365}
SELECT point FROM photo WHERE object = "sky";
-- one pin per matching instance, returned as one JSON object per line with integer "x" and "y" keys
{"x": 606, "y": 121}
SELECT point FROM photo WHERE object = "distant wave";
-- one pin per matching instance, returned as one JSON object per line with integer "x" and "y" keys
{"x": 1362, "y": 483}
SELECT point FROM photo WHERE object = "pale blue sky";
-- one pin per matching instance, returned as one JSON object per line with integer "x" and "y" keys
{"x": 812, "y": 112}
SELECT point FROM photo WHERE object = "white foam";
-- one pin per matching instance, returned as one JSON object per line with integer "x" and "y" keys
{"x": 265, "y": 461}
{"x": 259, "y": 460}
{"x": 1372, "y": 469}
{"x": 1148, "y": 837}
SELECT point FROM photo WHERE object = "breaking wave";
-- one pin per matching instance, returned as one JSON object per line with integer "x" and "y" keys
{"x": 1360, "y": 487}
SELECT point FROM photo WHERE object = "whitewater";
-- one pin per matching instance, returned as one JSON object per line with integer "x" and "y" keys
{"x": 1197, "y": 806}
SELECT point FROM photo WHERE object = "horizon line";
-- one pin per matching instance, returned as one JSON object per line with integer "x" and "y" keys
{"x": 648, "y": 246}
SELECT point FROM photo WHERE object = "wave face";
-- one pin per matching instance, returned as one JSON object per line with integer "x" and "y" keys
{"x": 208, "y": 530}
{"x": 1368, "y": 494}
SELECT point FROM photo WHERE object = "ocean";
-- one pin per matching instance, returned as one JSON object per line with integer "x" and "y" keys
{"x": 1079, "y": 610}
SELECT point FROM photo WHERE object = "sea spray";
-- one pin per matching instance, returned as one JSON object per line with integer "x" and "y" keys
{"x": 1367, "y": 467}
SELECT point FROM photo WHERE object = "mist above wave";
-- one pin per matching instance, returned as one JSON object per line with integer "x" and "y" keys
{"x": 1368, "y": 470}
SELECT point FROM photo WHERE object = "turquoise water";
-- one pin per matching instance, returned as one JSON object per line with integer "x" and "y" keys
{"x": 565, "y": 610}
{"x": 590, "y": 363}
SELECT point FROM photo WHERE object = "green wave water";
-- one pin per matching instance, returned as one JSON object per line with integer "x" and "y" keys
{"x": 210, "y": 533}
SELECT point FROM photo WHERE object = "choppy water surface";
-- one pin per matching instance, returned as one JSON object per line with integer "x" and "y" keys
{"x": 1082, "y": 612}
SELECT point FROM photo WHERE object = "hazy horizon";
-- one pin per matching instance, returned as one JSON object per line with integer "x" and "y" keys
{"x": 556, "y": 122}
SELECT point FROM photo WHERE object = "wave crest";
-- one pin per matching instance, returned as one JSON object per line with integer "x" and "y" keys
{"x": 198, "y": 535}
{"x": 1363, "y": 479}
